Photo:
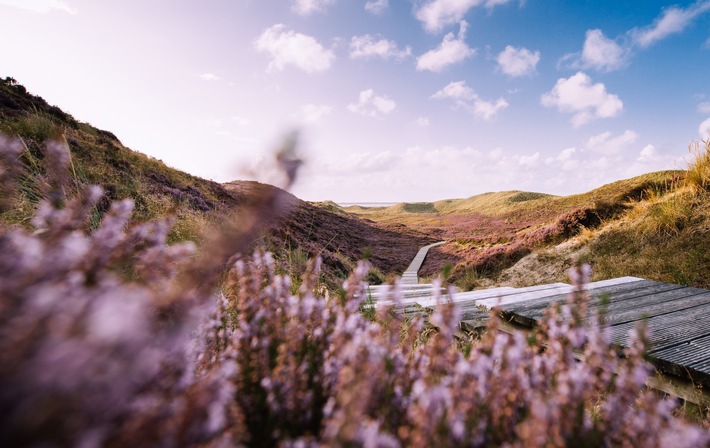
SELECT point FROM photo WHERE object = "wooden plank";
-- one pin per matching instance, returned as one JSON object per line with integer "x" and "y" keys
{"x": 675, "y": 316}
{"x": 694, "y": 354}
{"x": 527, "y": 313}
{"x": 647, "y": 307}
{"x": 634, "y": 304}
{"x": 458, "y": 298}
{"x": 377, "y": 288}
{"x": 524, "y": 296}
{"x": 670, "y": 329}
{"x": 475, "y": 321}
{"x": 690, "y": 360}
{"x": 410, "y": 275}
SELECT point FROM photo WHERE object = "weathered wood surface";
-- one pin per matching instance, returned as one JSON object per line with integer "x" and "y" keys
{"x": 677, "y": 317}
{"x": 411, "y": 275}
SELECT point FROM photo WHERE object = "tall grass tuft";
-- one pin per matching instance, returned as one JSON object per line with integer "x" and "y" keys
{"x": 697, "y": 175}
{"x": 183, "y": 354}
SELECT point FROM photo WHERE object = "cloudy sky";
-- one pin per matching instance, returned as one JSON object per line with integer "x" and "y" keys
{"x": 396, "y": 100}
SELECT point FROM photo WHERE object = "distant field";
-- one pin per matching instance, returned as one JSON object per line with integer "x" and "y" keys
{"x": 366, "y": 204}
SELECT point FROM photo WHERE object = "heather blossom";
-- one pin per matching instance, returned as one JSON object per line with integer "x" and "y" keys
{"x": 112, "y": 337}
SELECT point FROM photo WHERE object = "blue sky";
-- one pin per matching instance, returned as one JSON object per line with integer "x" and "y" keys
{"x": 395, "y": 100}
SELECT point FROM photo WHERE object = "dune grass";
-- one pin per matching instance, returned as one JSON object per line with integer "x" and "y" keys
{"x": 666, "y": 234}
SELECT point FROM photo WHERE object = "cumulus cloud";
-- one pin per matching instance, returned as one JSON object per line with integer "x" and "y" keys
{"x": 585, "y": 100}
{"x": 372, "y": 105}
{"x": 366, "y": 46}
{"x": 453, "y": 49}
{"x": 609, "y": 145}
{"x": 602, "y": 53}
{"x": 704, "y": 129}
{"x": 40, "y": 6}
{"x": 376, "y": 6}
{"x": 606, "y": 55}
{"x": 565, "y": 160}
{"x": 287, "y": 47}
{"x": 466, "y": 97}
{"x": 313, "y": 113}
{"x": 704, "y": 108}
{"x": 436, "y": 14}
{"x": 648, "y": 154}
{"x": 455, "y": 90}
{"x": 518, "y": 61}
{"x": 529, "y": 161}
{"x": 673, "y": 20}
{"x": 308, "y": 7}
{"x": 566, "y": 154}
{"x": 486, "y": 110}
{"x": 599, "y": 53}
{"x": 423, "y": 122}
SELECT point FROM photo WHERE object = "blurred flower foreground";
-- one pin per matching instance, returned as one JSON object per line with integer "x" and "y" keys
{"x": 111, "y": 337}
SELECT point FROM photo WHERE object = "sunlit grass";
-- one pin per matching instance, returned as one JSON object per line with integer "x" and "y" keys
{"x": 697, "y": 175}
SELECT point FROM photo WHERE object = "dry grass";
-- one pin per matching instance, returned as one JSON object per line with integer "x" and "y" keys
{"x": 698, "y": 173}
{"x": 664, "y": 236}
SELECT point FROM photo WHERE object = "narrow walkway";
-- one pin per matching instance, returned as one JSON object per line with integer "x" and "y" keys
{"x": 411, "y": 275}
{"x": 676, "y": 317}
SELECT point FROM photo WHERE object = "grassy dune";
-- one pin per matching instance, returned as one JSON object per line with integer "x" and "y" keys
{"x": 653, "y": 226}
{"x": 197, "y": 205}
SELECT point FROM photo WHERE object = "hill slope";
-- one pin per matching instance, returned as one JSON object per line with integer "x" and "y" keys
{"x": 99, "y": 157}
{"x": 655, "y": 226}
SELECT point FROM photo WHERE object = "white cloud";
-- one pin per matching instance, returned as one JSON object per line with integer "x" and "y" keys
{"x": 607, "y": 145}
{"x": 518, "y": 61}
{"x": 313, "y": 113}
{"x": 585, "y": 100}
{"x": 365, "y": 47}
{"x": 565, "y": 160}
{"x": 566, "y": 154}
{"x": 673, "y": 20}
{"x": 648, "y": 154}
{"x": 704, "y": 129}
{"x": 40, "y": 6}
{"x": 423, "y": 122}
{"x": 486, "y": 110}
{"x": 376, "y": 6}
{"x": 465, "y": 97}
{"x": 453, "y": 49}
{"x": 307, "y": 7}
{"x": 528, "y": 160}
{"x": 704, "y": 108}
{"x": 209, "y": 77}
{"x": 456, "y": 90}
{"x": 287, "y": 47}
{"x": 436, "y": 14}
{"x": 601, "y": 53}
{"x": 372, "y": 105}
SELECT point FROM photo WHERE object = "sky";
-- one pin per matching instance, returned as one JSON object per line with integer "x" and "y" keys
{"x": 393, "y": 100}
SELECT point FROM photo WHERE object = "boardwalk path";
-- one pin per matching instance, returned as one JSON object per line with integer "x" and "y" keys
{"x": 411, "y": 275}
{"x": 676, "y": 316}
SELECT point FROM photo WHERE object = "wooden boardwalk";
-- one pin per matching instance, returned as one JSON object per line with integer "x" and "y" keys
{"x": 411, "y": 275}
{"x": 677, "y": 317}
